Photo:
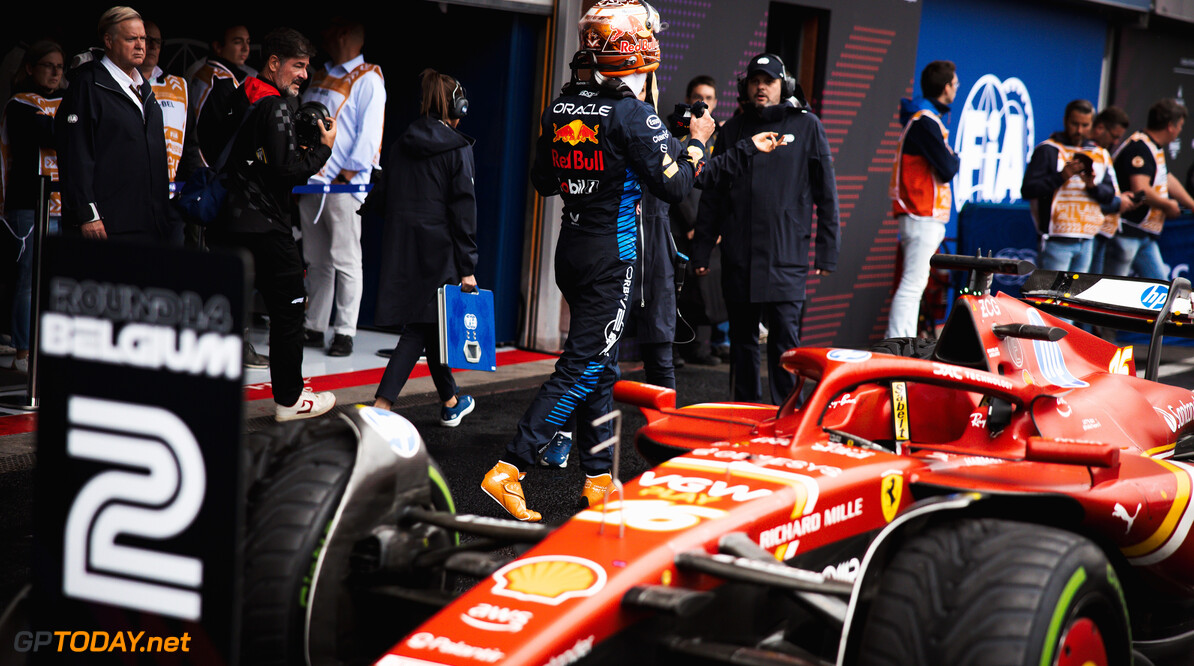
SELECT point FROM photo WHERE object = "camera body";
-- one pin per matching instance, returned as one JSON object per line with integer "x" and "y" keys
{"x": 307, "y": 120}
{"x": 680, "y": 119}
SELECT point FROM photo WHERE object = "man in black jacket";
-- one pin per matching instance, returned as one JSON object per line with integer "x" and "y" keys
{"x": 764, "y": 219}
{"x": 266, "y": 163}
{"x": 111, "y": 143}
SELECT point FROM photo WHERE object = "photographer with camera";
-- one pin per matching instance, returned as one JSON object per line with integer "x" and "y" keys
{"x": 701, "y": 302}
{"x": 268, "y": 159}
{"x": 1068, "y": 180}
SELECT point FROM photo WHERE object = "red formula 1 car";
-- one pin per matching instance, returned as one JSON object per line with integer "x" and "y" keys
{"x": 1017, "y": 495}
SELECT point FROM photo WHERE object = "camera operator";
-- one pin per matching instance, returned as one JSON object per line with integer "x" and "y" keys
{"x": 764, "y": 218}
{"x": 1069, "y": 179}
{"x": 268, "y": 159}
{"x": 701, "y": 303}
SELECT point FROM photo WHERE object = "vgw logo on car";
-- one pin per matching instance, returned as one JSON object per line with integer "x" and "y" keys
{"x": 995, "y": 136}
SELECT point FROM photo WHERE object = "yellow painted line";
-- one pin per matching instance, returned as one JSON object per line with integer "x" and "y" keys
{"x": 1161, "y": 449}
{"x": 1180, "y": 502}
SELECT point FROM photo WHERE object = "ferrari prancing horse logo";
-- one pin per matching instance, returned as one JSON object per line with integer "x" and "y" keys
{"x": 891, "y": 490}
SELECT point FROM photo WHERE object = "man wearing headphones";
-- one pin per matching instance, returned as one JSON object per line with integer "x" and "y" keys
{"x": 764, "y": 218}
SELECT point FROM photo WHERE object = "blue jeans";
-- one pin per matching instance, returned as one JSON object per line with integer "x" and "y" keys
{"x": 1067, "y": 254}
{"x": 1099, "y": 254}
{"x": 1141, "y": 253}
{"x": 22, "y": 229}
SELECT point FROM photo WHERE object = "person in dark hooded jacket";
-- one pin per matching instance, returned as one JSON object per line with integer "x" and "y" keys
{"x": 429, "y": 238}
{"x": 764, "y": 218}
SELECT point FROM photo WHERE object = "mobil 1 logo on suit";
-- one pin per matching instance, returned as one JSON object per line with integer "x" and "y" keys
{"x": 137, "y": 486}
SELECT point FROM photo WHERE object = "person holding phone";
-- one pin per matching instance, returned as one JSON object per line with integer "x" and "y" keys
{"x": 429, "y": 238}
{"x": 1141, "y": 168}
{"x": 1068, "y": 180}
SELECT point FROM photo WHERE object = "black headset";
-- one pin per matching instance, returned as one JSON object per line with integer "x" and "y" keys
{"x": 787, "y": 87}
{"x": 459, "y": 108}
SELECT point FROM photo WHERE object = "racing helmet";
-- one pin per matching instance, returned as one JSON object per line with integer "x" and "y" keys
{"x": 621, "y": 36}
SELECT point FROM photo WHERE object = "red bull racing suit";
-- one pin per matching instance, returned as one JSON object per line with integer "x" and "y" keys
{"x": 598, "y": 149}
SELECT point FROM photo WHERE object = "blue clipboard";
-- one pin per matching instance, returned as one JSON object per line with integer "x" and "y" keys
{"x": 466, "y": 337}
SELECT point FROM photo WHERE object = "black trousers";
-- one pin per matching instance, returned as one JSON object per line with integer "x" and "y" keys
{"x": 658, "y": 363}
{"x": 278, "y": 275}
{"x": 596, "y": 281}
{"x": 416, "y": 339}
{"x": 784, "y": 333}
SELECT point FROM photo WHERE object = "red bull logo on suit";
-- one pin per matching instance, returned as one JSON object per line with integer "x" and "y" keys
{"x": 577, "y": 159}
{"x": 575, "y": 132}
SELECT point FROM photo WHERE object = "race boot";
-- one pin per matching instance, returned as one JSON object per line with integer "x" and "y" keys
{"x": 502, "y": 484}
{"x": 595, "y": 487}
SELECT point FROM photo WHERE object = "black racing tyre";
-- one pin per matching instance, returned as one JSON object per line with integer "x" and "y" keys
{"x": 289, "y": 510}
{"x": 906, "y": 347}
{"x": 987, "y": 592}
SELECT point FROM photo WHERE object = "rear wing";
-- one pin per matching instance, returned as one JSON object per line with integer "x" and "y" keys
{"x": 1129, "y": 304}
{"x": 1152, "y": 307}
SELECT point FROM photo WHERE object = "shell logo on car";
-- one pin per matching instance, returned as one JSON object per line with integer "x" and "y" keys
{"x": 549, "y": 579}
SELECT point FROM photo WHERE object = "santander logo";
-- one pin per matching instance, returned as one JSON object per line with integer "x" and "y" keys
{"x": 995, "y": 136}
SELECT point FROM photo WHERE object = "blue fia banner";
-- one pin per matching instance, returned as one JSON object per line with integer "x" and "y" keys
{"x": 1019, "y": 64}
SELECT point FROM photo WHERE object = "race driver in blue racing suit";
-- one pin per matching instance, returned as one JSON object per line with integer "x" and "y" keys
{"x": 600, "y": 145}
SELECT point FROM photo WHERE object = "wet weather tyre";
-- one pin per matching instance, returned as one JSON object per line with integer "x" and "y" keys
{"x": 906, "y": 347}
{"x": 288, "y": 513}
{"x": 992, "y": 592}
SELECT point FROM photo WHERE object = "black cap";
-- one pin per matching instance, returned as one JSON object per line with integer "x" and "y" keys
{"x": 767, "y": 63}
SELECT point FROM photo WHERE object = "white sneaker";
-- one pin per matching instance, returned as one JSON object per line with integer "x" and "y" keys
{"x": 309, "y": 404}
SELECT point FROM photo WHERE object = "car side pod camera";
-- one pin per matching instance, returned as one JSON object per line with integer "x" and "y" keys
{"x": 982, "y": 268}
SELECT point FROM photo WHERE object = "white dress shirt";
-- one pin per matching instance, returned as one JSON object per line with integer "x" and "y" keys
{"x": 125, "y": 81}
